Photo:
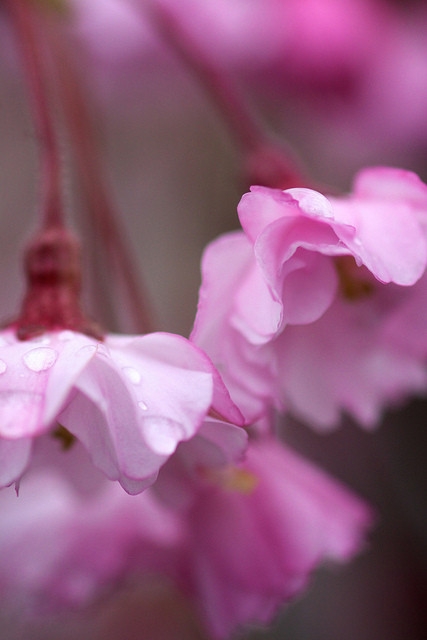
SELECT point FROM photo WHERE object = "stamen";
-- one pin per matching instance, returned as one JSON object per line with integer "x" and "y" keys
{"x": 232, "y": 479}
{"x": 64, "y": 436}
{"x": 355, "y": 282}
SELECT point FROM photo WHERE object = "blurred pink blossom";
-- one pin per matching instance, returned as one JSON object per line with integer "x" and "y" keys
{"x": 72, "y": 536}
{"x": 308, "y": 36}
{"x": 257, "y": 531}
{"x": 238, "y": 540}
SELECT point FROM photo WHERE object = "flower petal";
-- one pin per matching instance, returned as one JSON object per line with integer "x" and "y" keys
{"x": 14, "y": 457}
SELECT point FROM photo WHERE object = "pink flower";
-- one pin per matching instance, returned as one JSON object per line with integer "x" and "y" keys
{"x": 130, "y": 400}
{"x": 309, "y": 37}
{"x": 347, "y": 362}
{"x": 239, "y": 540}
{"x": 72, "y": 536}
{"x": 305, "y": 262}
{"x": 257, "y": 531}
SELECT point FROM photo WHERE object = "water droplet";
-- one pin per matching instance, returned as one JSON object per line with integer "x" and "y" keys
{"x": 65, "y": 335}
{"x": 163, "y": 435}
{"x": 132, "y": 374}
{"x": 102, "y": 350}
{"x": 40, "y": 359}
{"x": 3, "y": 366}
{"x": 142, "y": 405}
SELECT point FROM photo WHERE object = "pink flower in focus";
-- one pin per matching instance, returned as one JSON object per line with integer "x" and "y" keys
{"x": 129, "y": 400}
{"x": 304, "y": 259}
{"x": 257, "y": 531}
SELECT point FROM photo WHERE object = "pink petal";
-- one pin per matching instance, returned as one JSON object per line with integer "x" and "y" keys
{"x": 389, "y": 239}
{"x": 225, "y": 263}
{"x": 137, "y": 399}
{"x": 263, "y": 206}
{"x": 14, "y": 458}
{"x": 390, "y": 184}
{"x": 102, "y": 414}
{"x": 36, "y": 378}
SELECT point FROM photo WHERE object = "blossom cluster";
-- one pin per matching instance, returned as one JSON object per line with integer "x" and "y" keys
{"x": 128, "y": 457}
{"x": 316, "y": 316}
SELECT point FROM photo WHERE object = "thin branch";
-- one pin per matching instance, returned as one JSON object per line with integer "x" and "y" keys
{"x": 27, "y": 30}
{"x": 104, "y": 215}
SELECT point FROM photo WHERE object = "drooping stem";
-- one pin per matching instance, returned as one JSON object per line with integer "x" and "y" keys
{"x": 34, "y": 56}
{"x": 240, "y": 120}
{"x": 52, "y": 258}
{"x": 265, "y": 161}
{"x": 103, "y": 215}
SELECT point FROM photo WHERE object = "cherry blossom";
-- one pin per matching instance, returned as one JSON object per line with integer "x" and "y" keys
{"x": 307, "y": 266}
{"x": 239, "y": 540}
{"x": 130, "y": 400}
{"x": 71, "y": 536}
{"x": 257, "y": 531}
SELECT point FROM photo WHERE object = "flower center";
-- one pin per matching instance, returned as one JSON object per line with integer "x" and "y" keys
{"x": 233, "y": 479}
{"x": 355, "y": 282}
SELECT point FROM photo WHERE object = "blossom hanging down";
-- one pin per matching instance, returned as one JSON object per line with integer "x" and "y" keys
{"x": 312, "y": 283}
{"x": 257, "y": 531}
{"x": 73, "y": 536}
{"x": 129, "y": 399}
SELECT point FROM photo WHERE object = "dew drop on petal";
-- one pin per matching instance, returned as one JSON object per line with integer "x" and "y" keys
{"x": 163, "y": 435}
{"x": 132, "y": 374}
{"x": 3, "y": 366}
{"x": 142, "y": 405}
{"x": 40, "y": 359}
{"x": 102, "y": 350}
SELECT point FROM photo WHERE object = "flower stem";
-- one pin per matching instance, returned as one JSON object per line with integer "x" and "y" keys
{"x": 265, "y": 161}
{"x": 103, "y": 215}
{"x": 52, "y": 258}
{"x": 34, "y": 56}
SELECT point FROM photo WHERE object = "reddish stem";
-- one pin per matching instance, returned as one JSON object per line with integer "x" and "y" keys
{"x": 52, "y": 301}
{"x": 52, "y": 258}
{"x": 34, "y": 60}
{"x": 265, "y": 162}
{"x": 91, "y": 173}
{"x": 240, "y": 121}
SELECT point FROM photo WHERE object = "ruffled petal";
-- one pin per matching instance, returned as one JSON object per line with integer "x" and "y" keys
{"x": 36, "y": 378}
{"x": 138, "y": 398}
{"x": 284, "y": 517}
